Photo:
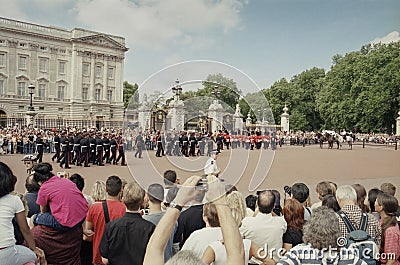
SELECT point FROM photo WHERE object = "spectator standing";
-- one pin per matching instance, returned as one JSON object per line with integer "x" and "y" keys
{"x": 264, "y": 229}
{"x": 372, "y": 195}
{"x": 293, "y": 212}
{"x": 100, "y": 213}
{"x": 323, "y": 188}
{"x": 386, "y": 205}
{"x": 331, "y": 202}
{"x": 347, "y": 200}
{"x": 170, "y": 180}
{"x": 125, "y": 239}
{"x": 361, "y": 195}
{"x": 320, "y": 233}
{"x": 11, "y": 206}
{"x": 155, "y": 194}
{"x": 31, "y": 196}
{"x": 301, "y": 193}
{"x": 191, "y": 219}
{"x": 389, "y": 188}
{"x": 200, "y": 239}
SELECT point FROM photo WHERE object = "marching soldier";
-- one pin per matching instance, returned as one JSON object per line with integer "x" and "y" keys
{"x": 192, "y": 143}
{"x": 56, "y": 147}
{"x": 121, "y": 152}
{"x": 85, "y": 145}
{"x": 113, "y": 148}
{"x": 64, "y": 150}
{"x": 106, "y": 144}
{"x": 210, "y": 144}
{"x": 160, "y": 149}
{"x": 169, "y": 144}
{"x": 92, "y": 148}
{"x": 177, "y": 146}
{"x": 202, "y": 143}
{"x": 39, "y": 147}
{"x": 77, "y": 149}
{"x": 219, "y": 138}
{"x": 184, "y": 143}
{"x": 70, "y": 147}
{"x": 139, "y": 145}
{"x": 99, "y": 149}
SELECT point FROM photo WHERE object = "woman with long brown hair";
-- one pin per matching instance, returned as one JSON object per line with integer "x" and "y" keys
{"x": 293, "y": 212}
{"x": 386, "y": 205}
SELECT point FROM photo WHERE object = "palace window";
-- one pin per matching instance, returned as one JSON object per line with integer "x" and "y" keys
{"x": 22, "y": 60}
{"x": 110, "y": 73}
{"x": 61, "y": 67}
{"x": 2, "y": 59}
{"x": 43, "y": 64}
{"x": 42, "y": 91}
{"x": 97, "y": 94}
{"x": 85, "y": 93}
{"x": 109, "y": 95}
{"x": 1, "y": 87}
{"x": 98, "y": 70}
{"x": 85, "y": 69}
{"x": 60, "y": 92}
{"x": 21, "y": 89}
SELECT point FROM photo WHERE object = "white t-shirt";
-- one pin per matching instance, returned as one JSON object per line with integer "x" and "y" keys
{"x": 199, "y": 240}
{"x": 220, "y": 252}
{"x": 9, "y": 206}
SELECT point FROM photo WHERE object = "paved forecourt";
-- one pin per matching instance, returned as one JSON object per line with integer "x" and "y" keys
{"x": 369, "y": 166}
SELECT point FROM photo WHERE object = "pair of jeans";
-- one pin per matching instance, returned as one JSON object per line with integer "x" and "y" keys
{"x": 17, "y": 254}
{"x": 47, "y": 219}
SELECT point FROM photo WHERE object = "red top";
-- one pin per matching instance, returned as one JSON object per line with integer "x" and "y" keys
{"x": 95, "y": 216}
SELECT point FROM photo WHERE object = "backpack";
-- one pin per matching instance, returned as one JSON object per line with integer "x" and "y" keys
{"x": 359, "y": 239}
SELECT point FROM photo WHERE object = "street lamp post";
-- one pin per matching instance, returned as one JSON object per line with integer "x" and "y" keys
{"x": 31, "y": 110}
{"x": 31, "y": 88}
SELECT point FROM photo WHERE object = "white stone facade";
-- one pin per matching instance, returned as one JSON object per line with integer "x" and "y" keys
{"x": 77, "y": 74}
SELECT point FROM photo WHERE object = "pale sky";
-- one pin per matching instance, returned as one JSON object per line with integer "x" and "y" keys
{"x": 265, "y": 39}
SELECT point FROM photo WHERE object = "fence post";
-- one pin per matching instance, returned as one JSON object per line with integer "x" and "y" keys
{"x": 395, "y": 145}
{"x": 363, "y": 143}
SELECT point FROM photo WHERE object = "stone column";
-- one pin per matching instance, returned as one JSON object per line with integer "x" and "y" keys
{"x": 285, "y": 119}
{"x": 144, "y": 114}
{"x": 177, "y": 114}
{"x": 238, "y": 120}
{"x": 398, "y": 125}
{"x": 215, "y": 112}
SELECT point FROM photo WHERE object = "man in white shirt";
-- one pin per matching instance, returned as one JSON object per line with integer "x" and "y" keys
{"x": 264, "y": 229}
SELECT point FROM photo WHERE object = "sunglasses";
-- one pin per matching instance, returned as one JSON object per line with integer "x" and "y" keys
{"x": 27, "y": 162}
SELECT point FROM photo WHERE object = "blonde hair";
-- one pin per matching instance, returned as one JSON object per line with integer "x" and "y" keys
{"x": 237, "y": 204}
{"x": 23, "y": 200}
{"x": 99, "y": 192}
{"x": 133, "y": 196}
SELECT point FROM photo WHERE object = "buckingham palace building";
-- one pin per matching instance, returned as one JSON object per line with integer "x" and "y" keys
{"x": 74, "y": 77}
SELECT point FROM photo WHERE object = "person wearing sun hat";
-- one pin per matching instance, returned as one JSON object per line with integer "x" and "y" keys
{"x": 29, "y": 162}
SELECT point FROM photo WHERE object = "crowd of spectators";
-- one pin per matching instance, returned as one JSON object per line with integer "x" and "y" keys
{"x": 121, "y": 223}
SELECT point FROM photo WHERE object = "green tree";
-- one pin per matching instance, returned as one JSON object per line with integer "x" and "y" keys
{"x": 362, "y": 90}
{"x": 129, "y": 92}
